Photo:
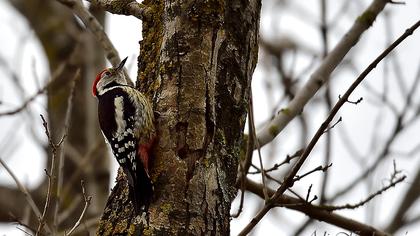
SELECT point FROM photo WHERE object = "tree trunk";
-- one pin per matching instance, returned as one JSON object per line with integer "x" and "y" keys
{"x": 196, "y": 63}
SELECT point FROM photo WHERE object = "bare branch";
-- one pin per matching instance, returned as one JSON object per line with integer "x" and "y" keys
{"x": 121, "y": 7}
{"x": 53, "y": 177}
{"x": 288, "y": 182}
{"x": 241, "y": 179}
{"x": 60, "y": 159}
{"x": 90, "y": 223}
{"x": 319, "y": 168}
{"x": 26, "y": 225}
{"x": 97, "y": 30}
{"x": 353, "y": 102}
{"x": 285, "y": 161}
{"x": 370, "y": 197}
{"x": 332, "y": 126}
{"x": 87, "y": 203}
{"x": 82, "y": 165}
{"x": 322, "y": 73}
{"x": 408, "y": 200}
{"x": 24, "y": 231}
{"x": 399, "y": 126}
{"x": 245, "y": 165}
{"x": 28, "y": 196}
{"x": 397, "y": 3}
{"x": 252, "y": 132}
{"x": 47, "y": 200}
{"x": 316, "y": 213}
{"x": 39, "y": 92}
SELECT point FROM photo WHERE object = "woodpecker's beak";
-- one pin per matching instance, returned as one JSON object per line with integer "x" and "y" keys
{"x": 121, "y": 65}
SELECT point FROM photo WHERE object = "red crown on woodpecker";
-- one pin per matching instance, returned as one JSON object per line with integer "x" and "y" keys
{"x": 107, "y": 76}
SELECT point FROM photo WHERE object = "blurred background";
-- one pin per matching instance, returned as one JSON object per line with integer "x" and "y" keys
{"x": 41, "y": 44}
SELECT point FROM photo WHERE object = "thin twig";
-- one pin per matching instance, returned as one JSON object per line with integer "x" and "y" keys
{"x": 243, "y": 169}
{"x": 290, "y": 176}
{"x": 51, "y": 175}
{"x": 363, "y": 202}
{"x": 353, "y": 102}
{"x": 285, "y": 161}
{"x": 332, "y": 126}
{"x": 33, "y": 97}
{"x": 60, "y": 159}
{"x": 253, "y": 133}
{"x": 28, "y": 196}
{"x": 400, "y": 218}
{"x": 89, "y": 223}
{"x": 70, "y": 208}
{"x": 324, "y": 30}
{"x": 321, "y": 74}
{"x": 344, "y": 99}
{"x": 308, "y": 194}
{"x": 47, "y": 200}
{"x": 316, "y": 213}
{"x": 87, "y": 203}
{"x": 242, "y": 177}
{"x": 319, "y": 168}
{"x": 24, "y": 231}
{"x": 26, "y": 225}
{"x": 397, "y": 3}
{"x": 82, "y": 165}
{"x": 121, "y": 7}
{"x": 399, "y": 127}
{"x": 98, "y": 32}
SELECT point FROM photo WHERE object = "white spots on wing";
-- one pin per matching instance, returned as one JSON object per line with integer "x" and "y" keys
{"x": 119, "y": 117}
{"x": 116, "y": 145}
{"x": 132, "y": 156}
{"x": 121, "y": 161}
{"x": 128, "y": 132}
{"x": 129, "y": 144}
{"x": 121, "y": 150}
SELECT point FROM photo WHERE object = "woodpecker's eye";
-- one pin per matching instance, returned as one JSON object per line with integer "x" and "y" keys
{"x": 107, "y": 73}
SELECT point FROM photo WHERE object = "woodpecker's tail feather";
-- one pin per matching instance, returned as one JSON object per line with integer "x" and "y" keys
{"x": 141, "y": 192}
{"x": 140, "y": 189}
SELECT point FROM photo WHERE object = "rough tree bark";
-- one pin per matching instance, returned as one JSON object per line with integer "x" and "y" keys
{"x": 196, "y": 63}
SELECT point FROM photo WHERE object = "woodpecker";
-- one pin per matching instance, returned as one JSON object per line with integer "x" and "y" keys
{"x": 127, "y": 123}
